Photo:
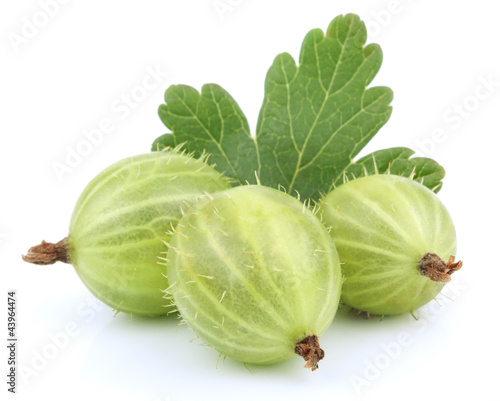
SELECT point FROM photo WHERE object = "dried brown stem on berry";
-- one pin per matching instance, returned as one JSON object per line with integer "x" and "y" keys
{"x": 47, "y": 253}
{"x": 310, "y": 350}
{"x": 433, "y": 267}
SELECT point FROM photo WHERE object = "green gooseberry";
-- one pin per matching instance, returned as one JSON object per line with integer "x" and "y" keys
{"x": 396, "y": 242}
{"x": 119, "y": 223}
{"x": 255, "y": 274}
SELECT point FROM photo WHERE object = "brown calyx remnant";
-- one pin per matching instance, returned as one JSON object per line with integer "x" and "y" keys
{"x": 309, "y": 349}
{"x": 47, "y": 253}
{"x": 433, "y": 267}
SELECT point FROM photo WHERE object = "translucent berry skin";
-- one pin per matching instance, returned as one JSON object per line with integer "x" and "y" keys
{"x": 120, "y": 220}
{"x": 382, "y": 226}
{"x": 253, "y": 272}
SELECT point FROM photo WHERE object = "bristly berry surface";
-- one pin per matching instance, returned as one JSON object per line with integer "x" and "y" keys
{"x": 385, "y": 228}
{"x": 255, "y": 274}
{"x": 120, "y": 221}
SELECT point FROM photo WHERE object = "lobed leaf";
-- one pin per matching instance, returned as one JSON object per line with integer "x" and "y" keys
{"x": 317, "y": 116}
{"x": 315, "y": 119}
{"x": 211, "y": 122}
{"x": 396, "y": 161}
{"x": 163, "y": 142}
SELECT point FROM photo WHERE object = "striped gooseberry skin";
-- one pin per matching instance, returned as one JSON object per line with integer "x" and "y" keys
{"x": 253, "y": 272}
{"x": 382, "y": 226}
{"x": 120, "y": 220}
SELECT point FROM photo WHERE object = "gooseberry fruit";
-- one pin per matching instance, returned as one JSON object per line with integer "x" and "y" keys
{"x": 119, "y": 222}
{"x": 396, "y": 242}
{"x": 255, "y": 274}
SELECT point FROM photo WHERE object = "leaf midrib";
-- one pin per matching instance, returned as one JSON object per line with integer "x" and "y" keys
{"x": 304, "y": 146}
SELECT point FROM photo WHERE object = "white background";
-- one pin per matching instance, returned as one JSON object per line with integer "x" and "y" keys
{"x": 74, "y": 72}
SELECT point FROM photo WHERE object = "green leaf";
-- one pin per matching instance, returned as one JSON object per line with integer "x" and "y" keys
{"x": 211, "y": 122}
{"x": 396, "y": 161}
{"x": 315, "y": 119}
{"x": 163, "y": 142}
{"x": 317, "y": 116}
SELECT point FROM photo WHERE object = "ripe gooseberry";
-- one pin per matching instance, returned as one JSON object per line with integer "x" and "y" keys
{"x": 119, "y": 222}
{"x": 255, "y": 274}
{"x": 396, "y": 242}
